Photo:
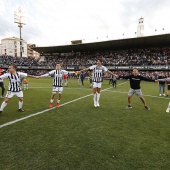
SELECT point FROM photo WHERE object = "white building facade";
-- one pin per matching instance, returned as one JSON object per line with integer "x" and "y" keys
{"x": 11, "y": 47}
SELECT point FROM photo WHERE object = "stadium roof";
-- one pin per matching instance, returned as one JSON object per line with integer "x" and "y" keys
{"x": 140, "y": 42}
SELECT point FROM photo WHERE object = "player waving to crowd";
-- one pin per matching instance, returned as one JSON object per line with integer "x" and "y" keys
{"x": 97, "y": 77}
{"x": 14, "y": 87}
{"x": 135, "y": 88}
{"x": 57, "y": 83}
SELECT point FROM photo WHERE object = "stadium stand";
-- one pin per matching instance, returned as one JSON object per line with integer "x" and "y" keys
{"x": 131, "y": 57}
{"x": 147, "y": 53}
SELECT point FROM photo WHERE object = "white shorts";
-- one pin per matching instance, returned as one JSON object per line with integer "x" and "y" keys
{"x": 97, "y": 85}
{"x": 138, "y": 92}
{"x": 10, "y": 94}
{"x": 57, "y": 89}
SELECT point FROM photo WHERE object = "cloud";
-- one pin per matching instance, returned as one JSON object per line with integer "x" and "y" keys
{"x": 154, "y": 13}
{"x": 52, "y": 22}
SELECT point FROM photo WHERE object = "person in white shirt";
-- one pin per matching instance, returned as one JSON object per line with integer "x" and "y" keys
{"x": 97, "y": 77}
{"x": 57, "y": 83}
{"x": 14, "y": 87}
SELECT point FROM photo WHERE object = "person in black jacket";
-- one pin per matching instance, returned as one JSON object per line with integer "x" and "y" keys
{"x": 2, "y": 83}
{"x": 135, "y": 88}
{"x": 82, "y": 77}
{"x": 2, "y": 87}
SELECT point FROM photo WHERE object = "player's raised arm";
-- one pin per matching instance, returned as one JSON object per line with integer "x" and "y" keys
{"x": 4, "y": 76}
{"x": 163, "y": 80}
{"x": 125, "y": 77}
{"x": 83, "y": 70}
{"x": 46, "y": 75}
{"x": 111, "y": 73}
{"x": 31, "y": 76}
{"x": 147, "y": 79}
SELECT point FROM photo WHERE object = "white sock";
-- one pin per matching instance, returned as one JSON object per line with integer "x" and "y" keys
{"x": 95, "y": 96}
{"x": 51, "y": 100}
{"x": 3, "y": 105}
{"x": 169, "y": 105}
{"x": 98, "y": 97}
{"x": 20, "y": 104}
{"x": 58, "y": 101}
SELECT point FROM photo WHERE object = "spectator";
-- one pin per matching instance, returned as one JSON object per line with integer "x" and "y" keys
{"x": 161, "y": 84}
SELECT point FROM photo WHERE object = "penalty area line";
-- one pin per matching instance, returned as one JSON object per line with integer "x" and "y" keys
{"x": 46, "y": 110}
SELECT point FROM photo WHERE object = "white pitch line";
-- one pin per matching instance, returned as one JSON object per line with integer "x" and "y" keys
{"x": 76, "y": 88}
{"x": 38, "y": 113}
{"x": 143, "y": 94}
{"x": 40, "y": 87}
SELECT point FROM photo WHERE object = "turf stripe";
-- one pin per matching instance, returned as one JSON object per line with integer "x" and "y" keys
{"x": 38, "y": 113}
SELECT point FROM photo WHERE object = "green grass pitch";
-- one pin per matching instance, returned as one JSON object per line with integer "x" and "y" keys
{"x": 78, "y": 136}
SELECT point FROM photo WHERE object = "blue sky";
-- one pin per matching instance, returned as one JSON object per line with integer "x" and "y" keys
{"x": 55, "y": 22}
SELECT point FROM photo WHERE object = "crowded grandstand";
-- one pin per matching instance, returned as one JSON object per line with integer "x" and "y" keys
{"x": 149, "y": 54}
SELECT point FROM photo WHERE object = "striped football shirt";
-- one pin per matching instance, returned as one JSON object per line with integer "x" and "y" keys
{"x": 98, "y": 72}
{"x": 14, "y": 81}
{"x": 58, "y": 77}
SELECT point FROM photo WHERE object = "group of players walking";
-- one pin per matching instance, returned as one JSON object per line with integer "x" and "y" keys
{"x": 98, "y": 71}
